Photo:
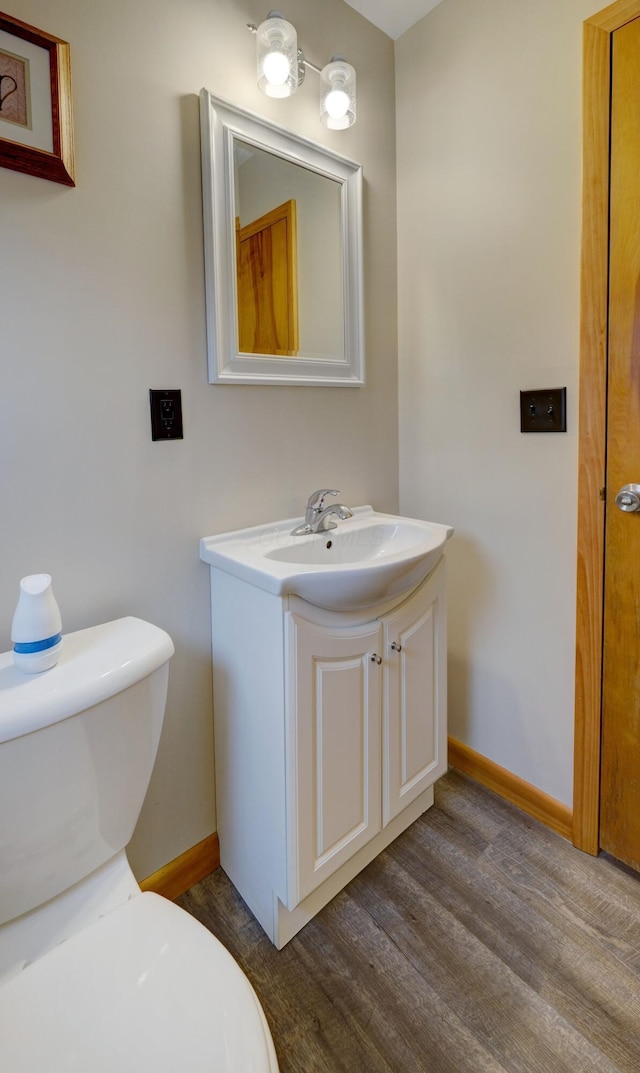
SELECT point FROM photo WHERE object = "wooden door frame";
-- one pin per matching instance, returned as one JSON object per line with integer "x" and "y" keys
{"x": 594, "y": 299}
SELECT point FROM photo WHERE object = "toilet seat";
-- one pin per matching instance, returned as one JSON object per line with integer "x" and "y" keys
{"x": 146, "y": 987}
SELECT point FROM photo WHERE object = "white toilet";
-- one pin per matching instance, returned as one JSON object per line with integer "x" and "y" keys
{"x": 95, "y": 976}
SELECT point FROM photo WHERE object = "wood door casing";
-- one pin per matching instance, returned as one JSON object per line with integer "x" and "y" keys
{"x": 620, "y": 762}
{"x": 267, "y": 283}
{"x": 592, "y": 416}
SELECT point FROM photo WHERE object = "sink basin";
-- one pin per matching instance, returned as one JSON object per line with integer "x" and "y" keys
{"x": 366, "y": 560}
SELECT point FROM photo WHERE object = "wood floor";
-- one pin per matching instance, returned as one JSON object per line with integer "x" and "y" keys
{"x": 479, "y": 942}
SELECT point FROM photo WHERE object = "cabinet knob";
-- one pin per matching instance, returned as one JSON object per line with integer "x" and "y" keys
{"x": 396, "y": 647}
{"x": 376, "y": 658}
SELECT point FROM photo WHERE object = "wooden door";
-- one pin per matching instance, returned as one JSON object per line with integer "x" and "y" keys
{"x": 414, "y": 709}
{"x": 333, "y": 716}
{"x": 620, "y": 758}
{"x": 267, "y": 272}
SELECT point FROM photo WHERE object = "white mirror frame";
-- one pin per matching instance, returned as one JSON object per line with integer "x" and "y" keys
{"x": 220, "y": 123}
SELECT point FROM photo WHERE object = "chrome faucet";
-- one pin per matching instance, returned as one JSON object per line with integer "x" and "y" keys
{"x": 316, "y": 518}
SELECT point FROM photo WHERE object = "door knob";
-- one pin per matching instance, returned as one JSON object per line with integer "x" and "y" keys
{"x": 628, "y": 498}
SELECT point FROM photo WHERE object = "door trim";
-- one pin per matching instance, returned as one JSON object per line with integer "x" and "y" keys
{"x": 594, "y": 297}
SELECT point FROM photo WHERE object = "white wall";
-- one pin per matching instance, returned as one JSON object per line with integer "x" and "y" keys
{"x": 102, "y": 297}
{"x": 488, "y": 142}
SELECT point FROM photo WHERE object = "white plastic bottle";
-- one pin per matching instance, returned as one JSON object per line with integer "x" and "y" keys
{"x": 36, "y": 626}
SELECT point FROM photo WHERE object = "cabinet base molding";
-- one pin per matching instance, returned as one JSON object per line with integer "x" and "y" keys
{"x": 527, "y": 798}
{"x": 288, "y": 922}
{"x": 184, "y": 871}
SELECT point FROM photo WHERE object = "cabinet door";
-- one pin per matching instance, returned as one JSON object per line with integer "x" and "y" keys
{"x": 415, "y": 696}
{"x": 333, "y": 748}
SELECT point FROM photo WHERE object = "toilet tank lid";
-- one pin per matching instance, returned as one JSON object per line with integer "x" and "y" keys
{"x": 94, "y": 665}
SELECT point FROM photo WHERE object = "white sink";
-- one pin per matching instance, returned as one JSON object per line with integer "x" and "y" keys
{"x": 367, "y": 560}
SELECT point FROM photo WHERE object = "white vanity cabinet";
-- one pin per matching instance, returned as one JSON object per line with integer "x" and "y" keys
{"x": 414, "y": 707}
{"x": 333, "y": 693}
{"x": 330, "y": 731}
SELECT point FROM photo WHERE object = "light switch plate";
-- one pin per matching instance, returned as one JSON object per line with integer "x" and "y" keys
{"x": 544, "y": 410}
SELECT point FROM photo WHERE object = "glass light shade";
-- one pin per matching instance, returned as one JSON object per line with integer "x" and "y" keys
{"x": 338, "y": 94}
{"x": 277, "y": 55}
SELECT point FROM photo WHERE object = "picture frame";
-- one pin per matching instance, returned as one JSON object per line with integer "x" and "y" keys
{"x": 36, "y": 121}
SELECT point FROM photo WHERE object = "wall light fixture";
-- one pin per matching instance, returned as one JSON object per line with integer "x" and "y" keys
{"x": 282, "y": 67}
{"x": 338, "y": 94}
{"x": 277, "y": 54}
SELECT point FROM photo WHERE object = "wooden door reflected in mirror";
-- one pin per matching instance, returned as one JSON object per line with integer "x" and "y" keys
{"x": 267, "y": 267}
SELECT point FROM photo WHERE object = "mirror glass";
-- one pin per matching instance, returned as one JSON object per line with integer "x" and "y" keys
{"x": 283, "y": 257}
{"x": 288, "y": 221}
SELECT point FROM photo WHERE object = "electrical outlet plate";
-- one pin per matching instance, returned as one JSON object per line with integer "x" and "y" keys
{"x": 544, "y": 410}
{"x": 166, "y": 414}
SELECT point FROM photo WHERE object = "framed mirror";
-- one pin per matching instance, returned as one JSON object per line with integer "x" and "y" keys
{"x": 283, "y": 254}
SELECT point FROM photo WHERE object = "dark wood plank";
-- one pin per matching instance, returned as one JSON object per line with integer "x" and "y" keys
{"x": 478, "y": 942}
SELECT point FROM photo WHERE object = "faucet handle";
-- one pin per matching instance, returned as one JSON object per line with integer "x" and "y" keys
{"x": 316, "y": 499}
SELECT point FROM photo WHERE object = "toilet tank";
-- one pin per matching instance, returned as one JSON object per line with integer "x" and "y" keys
{"x": 77, "y": 747}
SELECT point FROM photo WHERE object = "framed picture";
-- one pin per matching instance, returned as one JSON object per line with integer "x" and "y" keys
{"x": 36, "y": 128}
